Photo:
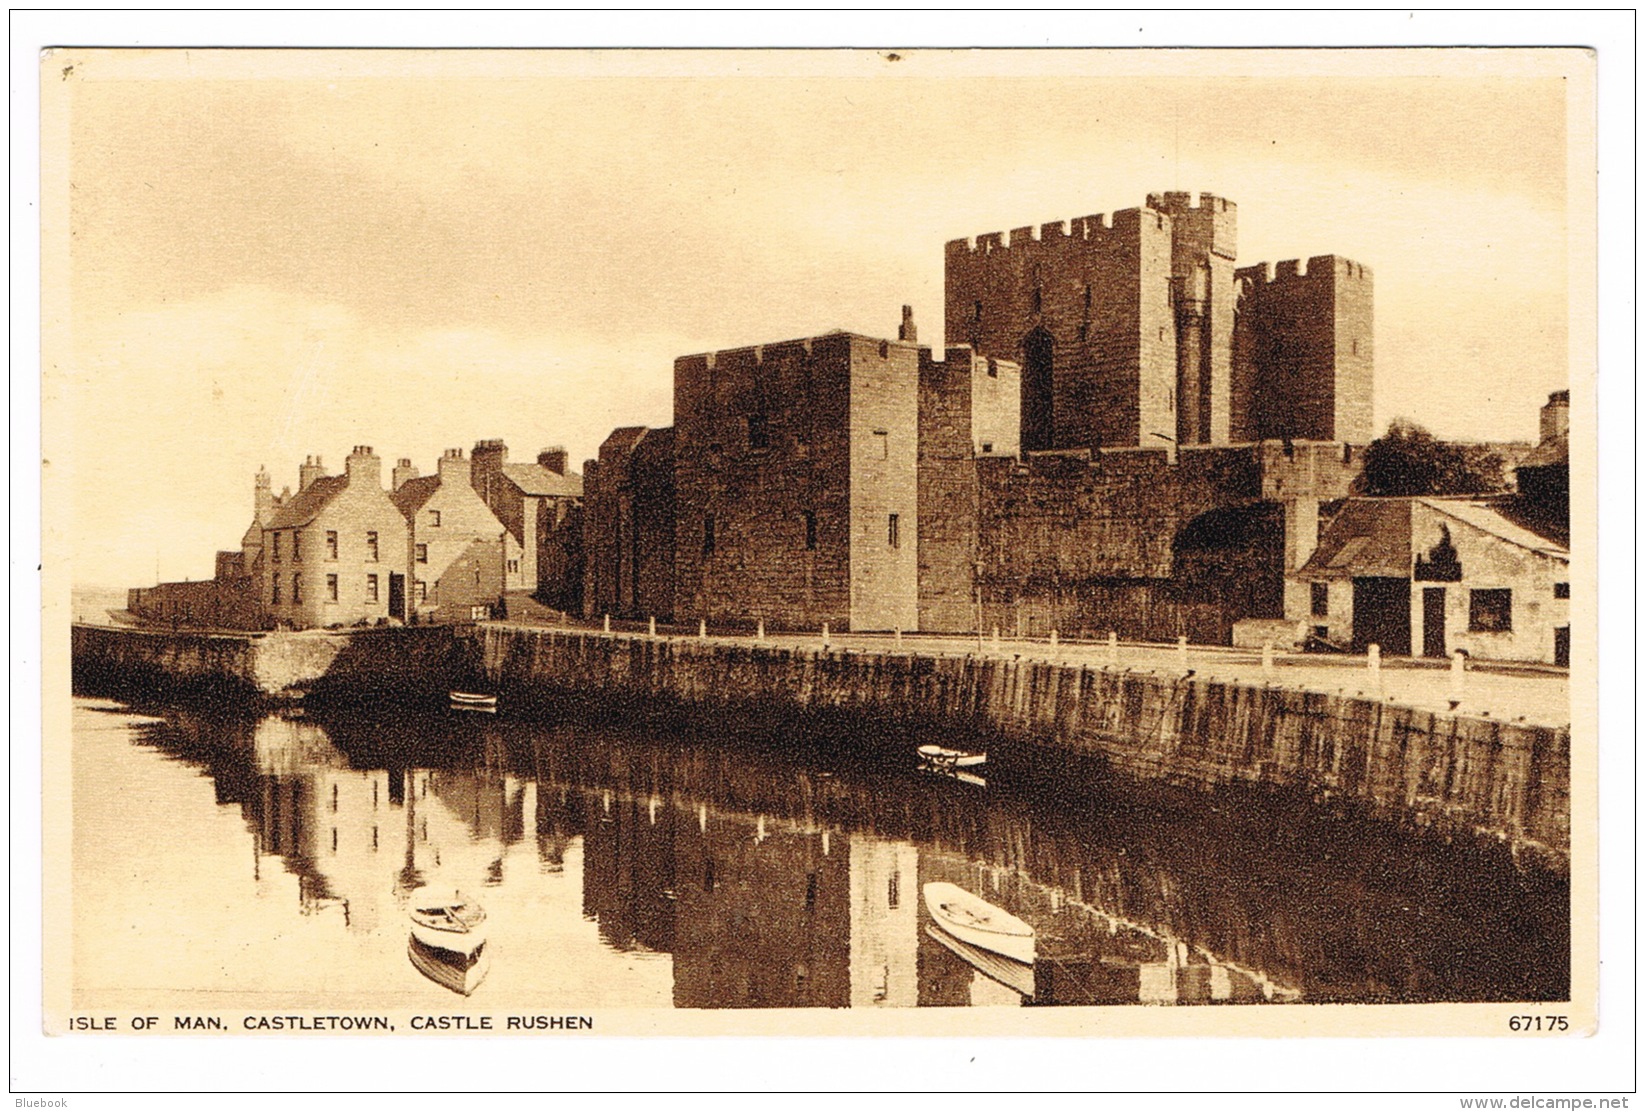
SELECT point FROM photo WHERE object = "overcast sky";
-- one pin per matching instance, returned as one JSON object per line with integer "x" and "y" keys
{"x": 275, "y": 255}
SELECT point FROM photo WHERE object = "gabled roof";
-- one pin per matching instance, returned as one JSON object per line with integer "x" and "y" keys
{"x": 1487, "y": 518}
{"x": 534, "y": 478}
{"x": 1368, "y": 537}
{"x": 308, "y": 502}
{"x": 413, "y": 493}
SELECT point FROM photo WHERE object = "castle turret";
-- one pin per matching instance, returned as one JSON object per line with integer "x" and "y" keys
{"x": 403, "y": 473}
{"x": 906, "y": 331}
{"x": 363, "y": 467}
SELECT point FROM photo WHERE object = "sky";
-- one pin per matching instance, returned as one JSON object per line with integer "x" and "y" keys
{"x": 263, "y": 256}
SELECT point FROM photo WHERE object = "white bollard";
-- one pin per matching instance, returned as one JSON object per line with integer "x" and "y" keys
{"x": 825, "y": 635}
{"x": 1113, "y": 648}
{"x": 1182, "y": 653}
{"x": 759, "y": 630}
{"x": 651, "y": 626}
{"x": 898, "y": 636}
{"x": 1053, "y": 640}
{"x": 1267, "y": 658}
{"x": 608, "y": 623}
{"x": 702, "y": 629}
{"x": 1373, "y": 661}
{"x": 996, "y": 638}
{"x": 1459, "y": 668}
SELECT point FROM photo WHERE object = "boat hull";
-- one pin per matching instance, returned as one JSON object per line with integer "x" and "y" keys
{"x": 951, "y": 758}
{"x": 452, "y": 942}
{"x": 1014, "y": 975}
{"x": 978, "y": 923}
{"x": 461, "y": 973}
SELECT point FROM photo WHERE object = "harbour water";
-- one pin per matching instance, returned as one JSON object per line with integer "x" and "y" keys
{"x": 233, "y": 860}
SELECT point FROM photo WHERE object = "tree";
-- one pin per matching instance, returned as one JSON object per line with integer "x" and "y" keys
{"x": 1408, "y": 460}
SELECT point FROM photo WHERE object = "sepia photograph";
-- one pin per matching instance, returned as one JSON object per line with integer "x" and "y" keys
{"x": 927, "y": 542}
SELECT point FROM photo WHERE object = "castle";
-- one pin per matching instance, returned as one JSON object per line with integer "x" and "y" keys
{"x": 1125, "y": 432}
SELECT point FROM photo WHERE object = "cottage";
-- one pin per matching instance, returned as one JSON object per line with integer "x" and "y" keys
{"x": 540, "y": 504}
{"x": 1436, "y": 575}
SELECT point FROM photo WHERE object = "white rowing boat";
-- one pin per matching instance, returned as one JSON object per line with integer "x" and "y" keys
{"x": 466, "y": 700}
{"x": 448, "y": 921}
{"x": 943, "y": 757}
{"x": 974, "y": 920}
{"x": 1014, "y": 975}
{"x": 461, "y": 973}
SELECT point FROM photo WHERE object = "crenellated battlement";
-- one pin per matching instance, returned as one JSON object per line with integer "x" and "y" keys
{"x": 1122, "y": 226}
{"x": 1294, "y": 270}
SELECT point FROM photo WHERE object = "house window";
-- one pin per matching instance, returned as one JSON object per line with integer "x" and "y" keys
{"x": 371, "y": 548}
{"x": 757, "y": 435}
{"x": 882, "y": 444}
{"x": 976, "y": 311}
{"x": 708, "y": 535}
{"x": 422, "y": 554}
{"x": 1087, "y": 299}
{"x": 434, "y": 518}
{"x": 296, "y": 547}
{"x": 1038, "y": 300}
{"x": 1491, "y": 610}
{"x": 993, "y": 369}
{"x": 893, "y": 891}
{"x": 1319, "y": 599}
{"x": 371, "y": 588}
{"x": 331, "y": 588}
{"x": 811, "y": 529}
{"x": 274, "y": 596}
{"x": 1082, "y": 333}
{"x": 276, "y": 548}
{"x": 331, "y": 544}
{"x": 892, "y": 532}
{"x": 296, "y": 587}
{"x": 513, "y": 567}
{"x": 422, "y": 590}
{"x": 1562, "y": 590}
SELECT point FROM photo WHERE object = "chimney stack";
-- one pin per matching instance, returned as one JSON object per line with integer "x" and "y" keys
{"x": 403, "y": 473}
{"x": 263, "y": 497}
{"x": 312, "y": 469}
{"x": 364, "y": 467}
{"x": 553, "y": 459}
{"x": 906, "y": 331}
{"x": 455, "y": 468}
{"x": 1556, "y": 415}
{"x": 488, "y": 459}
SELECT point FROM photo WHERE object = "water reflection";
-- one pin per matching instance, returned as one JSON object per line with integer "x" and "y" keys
{"x": 761, "y": 878}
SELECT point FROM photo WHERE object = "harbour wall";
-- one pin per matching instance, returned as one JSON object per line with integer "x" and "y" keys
{"x": 1447, "y": 774}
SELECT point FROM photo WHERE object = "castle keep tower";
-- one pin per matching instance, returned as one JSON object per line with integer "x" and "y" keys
{"x": 1137, "y": 331}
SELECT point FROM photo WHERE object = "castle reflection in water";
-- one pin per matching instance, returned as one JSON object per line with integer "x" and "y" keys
{"x": 768, "y": 881}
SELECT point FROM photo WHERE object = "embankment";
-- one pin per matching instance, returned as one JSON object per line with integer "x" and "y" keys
{"x": 1449, "y": 774}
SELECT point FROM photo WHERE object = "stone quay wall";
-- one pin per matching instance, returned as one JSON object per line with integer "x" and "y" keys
{"x": 1449, "y": 774}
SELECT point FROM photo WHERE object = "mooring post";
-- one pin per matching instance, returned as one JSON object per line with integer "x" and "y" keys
{"x": 897, "y": 634}
{"x": 1053, "y": 640}
{"x": 1373, "y": 661}
{"x": 825, "y": 635}
{"x": 702, "y": 629}
{"x": 1459, "y": 668}
{"x": 651, "y": 626}
{"x": 1268, "y": 658}
{"x": 759, "y": 630}
{"x": 1113, "y": 648}
{"x": 608, "y": 623}
{"x": 1182, "y": 652}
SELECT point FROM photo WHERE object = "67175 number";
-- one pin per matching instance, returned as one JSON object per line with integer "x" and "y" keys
{"x": 1538, "y": 1023}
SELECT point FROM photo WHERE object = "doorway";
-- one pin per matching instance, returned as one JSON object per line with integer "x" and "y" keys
{"x": 1382, "y": 614}
{"x": 396, "y": 595}
{"x": 1433, "y": 621}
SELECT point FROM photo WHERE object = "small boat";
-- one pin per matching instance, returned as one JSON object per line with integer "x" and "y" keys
{"x": 1014, "y": 975}
{"x": 465, "y": 700}
{"x": 951, "y": 758}
{"x": 448, "y": 921}
{"x": 461, "y": 973}
{"x": 959, "y": 774}
{"x": 973, "y": 920}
